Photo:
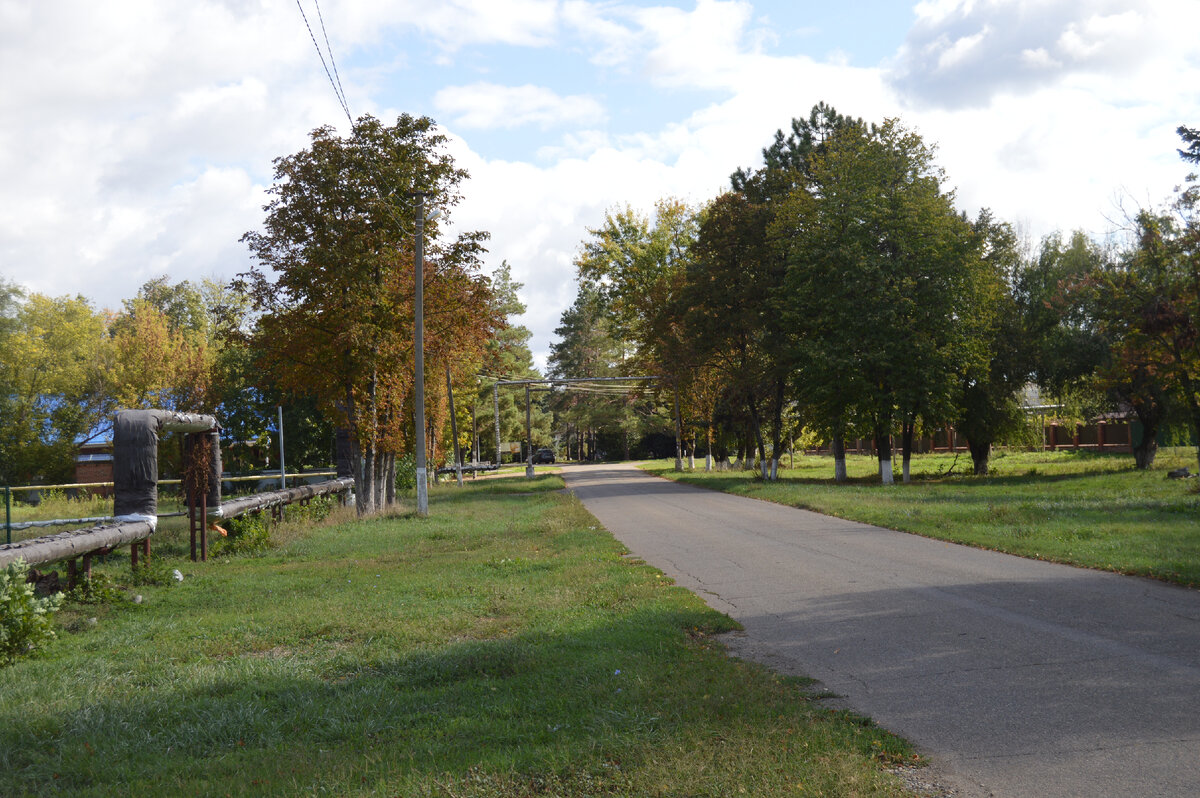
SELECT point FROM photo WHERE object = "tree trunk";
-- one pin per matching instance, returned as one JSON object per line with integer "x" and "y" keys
{"x": 776, "y": 431}
{"x": 758, "y": 438}
{"x": 389, "y": 480}
{"x": 906, "y": 446}
{"x": 1194, "y": 406}
{"x": 366, "y": 501}
{"x": 883, "y": 445}
{"x": 708, "y": 459}
{"x": 980, "y": 454}
{"x": 1145, "y": 451}
{"x": 839, "y": 456}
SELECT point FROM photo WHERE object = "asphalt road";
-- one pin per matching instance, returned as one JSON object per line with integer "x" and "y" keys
{"x": 1017, "y": 677}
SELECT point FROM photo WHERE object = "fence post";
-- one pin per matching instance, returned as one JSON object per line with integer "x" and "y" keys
{"x": 7, "y": 514}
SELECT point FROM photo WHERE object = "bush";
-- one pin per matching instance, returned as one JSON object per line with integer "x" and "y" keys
{"x": 96, "y": 589}
{"x": 246, "y": 534}
{"x": 26, "y": 622}
{"x": 406, "y": 473}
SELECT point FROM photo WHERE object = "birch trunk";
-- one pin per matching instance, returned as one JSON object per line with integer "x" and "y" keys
{"x": 883, "y": 445}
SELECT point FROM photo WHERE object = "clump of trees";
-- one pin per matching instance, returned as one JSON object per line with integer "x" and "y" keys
{"x": 335, "y": 282}
{"x": 838, "y": 290}
{"x": 321, "y": 325}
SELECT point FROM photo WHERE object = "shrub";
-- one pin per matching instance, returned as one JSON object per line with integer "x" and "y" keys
{"x": 406, "y": 473}
{"x": 96, "y": 589}
{"x": 247, "y": 534}
{"x": 26, "y": 622}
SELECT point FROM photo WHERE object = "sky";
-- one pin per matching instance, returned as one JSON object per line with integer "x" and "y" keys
{"x": 136, "y": 136}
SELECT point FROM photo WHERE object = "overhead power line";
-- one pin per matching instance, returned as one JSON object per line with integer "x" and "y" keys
{"x": 336, "y": 84}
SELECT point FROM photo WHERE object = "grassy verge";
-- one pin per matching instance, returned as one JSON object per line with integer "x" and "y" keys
{"x": 1083, "y": 508}
{"x": 501, "y": 647}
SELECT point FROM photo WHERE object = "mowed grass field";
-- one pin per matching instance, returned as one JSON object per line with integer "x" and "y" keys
{"x": 1083, "y": 508}
{"x": 504, "y": 646}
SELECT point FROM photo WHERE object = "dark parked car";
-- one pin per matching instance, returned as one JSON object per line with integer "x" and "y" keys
{"x": 543, "y": 456}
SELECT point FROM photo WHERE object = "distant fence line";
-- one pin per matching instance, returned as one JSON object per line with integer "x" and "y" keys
{"x": 1106, "y": 436}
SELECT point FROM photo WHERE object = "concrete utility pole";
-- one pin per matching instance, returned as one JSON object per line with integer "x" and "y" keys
{"x": 454, "y": 429}
{"x": 419, "y": 345}
{"x": 528, "y": 437}
{"x": 496, "y": 408}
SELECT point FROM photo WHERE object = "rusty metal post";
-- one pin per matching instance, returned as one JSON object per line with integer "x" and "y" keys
{"x": 204, "y": 521}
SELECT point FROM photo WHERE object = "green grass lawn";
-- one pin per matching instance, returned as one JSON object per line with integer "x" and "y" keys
{"x": 504, "y": 646}
{"x": 1088, "y": 509}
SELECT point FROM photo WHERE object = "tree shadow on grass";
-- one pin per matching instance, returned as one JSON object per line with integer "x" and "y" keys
{"x": 566, "y": 705}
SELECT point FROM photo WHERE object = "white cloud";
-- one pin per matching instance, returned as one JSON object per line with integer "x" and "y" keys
{"x": 488, "y": 105}
{"x": 453, "y": 24}
{"x": 962, "y": 53}
{"x": 961, "y": 50}
{"x": 138, "y": 136}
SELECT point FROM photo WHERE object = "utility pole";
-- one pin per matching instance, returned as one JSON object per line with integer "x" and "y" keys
{"x": 496, "y": 409}
{"x": 454, "y": 429}
{"x": 474, "y": 433}
{"x": 419, "y": 345}
{"x": 528, "y": 437}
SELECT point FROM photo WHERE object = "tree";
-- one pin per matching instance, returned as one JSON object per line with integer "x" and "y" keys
{"x": 1191, "y": 140}
{"x": 156, "y": 364}
{"x": 1154, "y": 316}
{"x": 336, "y": 320}
{"x": 787, "y": 165}
{"x": 587, "y": 347}
{"x": 989, "y": 407}
{"x": 54, "y": 361}
{"x": 509, "y": 358}
{"x": 881, "y": 284}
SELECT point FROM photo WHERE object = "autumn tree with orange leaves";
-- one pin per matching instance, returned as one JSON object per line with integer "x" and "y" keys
{"x": 334, "y": 283}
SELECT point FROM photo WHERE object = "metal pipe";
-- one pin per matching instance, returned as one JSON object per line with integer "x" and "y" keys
{"x": 575, "y": 379}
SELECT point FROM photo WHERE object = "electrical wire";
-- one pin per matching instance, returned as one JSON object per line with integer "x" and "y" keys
{"x": 373, "y": 171}
{"x": 341, "y": 91}
{"x": 335, "y": 84}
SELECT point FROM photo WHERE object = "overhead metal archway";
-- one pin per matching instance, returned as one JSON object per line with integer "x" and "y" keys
{"x": 549, "y": 382}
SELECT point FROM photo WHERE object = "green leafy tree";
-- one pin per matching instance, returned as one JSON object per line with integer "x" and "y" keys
{"x": 1066, "y": 348}
{"x": 587, "y": 347}
{"x": 881, "y": 283}
{"x": 1154, "y": 317}
{"x": 55, "y": 361}
{"x": 509, "y": 358}
{"x": 989, "y": 407}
